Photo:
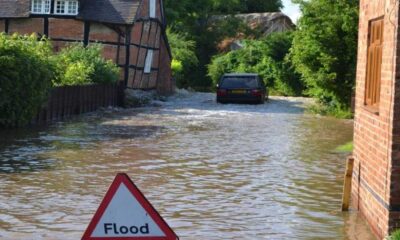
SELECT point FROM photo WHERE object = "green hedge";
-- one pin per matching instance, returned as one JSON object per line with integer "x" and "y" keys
{"x": 26, "y": 76}
{"x": 29, "y": 69}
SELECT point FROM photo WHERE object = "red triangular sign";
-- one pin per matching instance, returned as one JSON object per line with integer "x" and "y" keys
{"x": 126, "y": 214}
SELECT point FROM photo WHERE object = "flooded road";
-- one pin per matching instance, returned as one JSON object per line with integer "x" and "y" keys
{"x": 213, "y": 171}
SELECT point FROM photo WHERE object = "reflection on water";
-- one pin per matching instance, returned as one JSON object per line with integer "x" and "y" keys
{"x": 213, "y": 171}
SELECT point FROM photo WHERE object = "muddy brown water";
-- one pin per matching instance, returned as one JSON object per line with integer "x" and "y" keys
{"x": 213, "y": 171}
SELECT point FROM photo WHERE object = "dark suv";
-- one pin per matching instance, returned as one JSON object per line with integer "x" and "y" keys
{"x": 241, "y": 88}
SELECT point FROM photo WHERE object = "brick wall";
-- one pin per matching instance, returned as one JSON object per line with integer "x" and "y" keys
{"x": 165, "y": 84}
{"x": 145, "y": 9}
{"x": 110, "y": 38}
{"x": 373, "y": 188}
{"x": 394, "y": 217}
{"x": 100, "y": 32}
{"x": 66, "y": 28}
{"x": 26, "y": 26}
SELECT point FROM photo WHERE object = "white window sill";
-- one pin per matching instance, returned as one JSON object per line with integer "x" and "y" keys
{"x": 66, "y": 14}
{"x": 40, "y": 13}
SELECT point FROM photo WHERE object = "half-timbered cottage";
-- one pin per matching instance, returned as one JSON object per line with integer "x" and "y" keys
{"x": 131, "y": 31}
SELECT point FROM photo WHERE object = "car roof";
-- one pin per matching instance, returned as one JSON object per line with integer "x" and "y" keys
{"x": 240, "y": 75}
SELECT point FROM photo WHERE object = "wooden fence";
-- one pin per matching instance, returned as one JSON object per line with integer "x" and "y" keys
{"x": 64, "y": 102}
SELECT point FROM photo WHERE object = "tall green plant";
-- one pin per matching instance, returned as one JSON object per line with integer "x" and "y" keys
{"x": 325, "y": 49}
{"x": 184, "y": 57}
{"x": 25, "y": 79}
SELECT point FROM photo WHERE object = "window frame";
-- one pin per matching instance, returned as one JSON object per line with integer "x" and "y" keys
{"x": 66, "y": 7}
{"x": 374, "y": 55}
{"x": 148, "y": 64}
{"x": 42, "y": 7}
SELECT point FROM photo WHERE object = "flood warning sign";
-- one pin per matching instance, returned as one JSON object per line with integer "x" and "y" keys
{"x": 126, "y": 214}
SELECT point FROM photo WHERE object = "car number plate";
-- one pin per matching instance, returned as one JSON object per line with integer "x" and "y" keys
{"x": 238, "y": 91}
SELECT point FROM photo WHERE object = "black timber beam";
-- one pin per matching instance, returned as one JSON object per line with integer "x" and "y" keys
{"x": 127, "y": 53}
{"x": 86, "y": 33}
{"x": 46, "y": 26}
{"x": 6, "y": 25}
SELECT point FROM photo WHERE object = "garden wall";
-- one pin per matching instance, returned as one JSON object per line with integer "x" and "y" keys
{"x": 64, "y": 102}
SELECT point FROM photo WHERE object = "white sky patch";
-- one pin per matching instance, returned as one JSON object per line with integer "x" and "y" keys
{"x": 292, "y": 10}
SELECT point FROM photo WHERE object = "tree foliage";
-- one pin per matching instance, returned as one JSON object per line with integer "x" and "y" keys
{"x": 257, "y": 6}
{"x": 267, "y": 57}
{"x": 325, "y": 49}
{"x": 25, "y": 79}
{"x": 184, "y": 57}
{"x": 194, "y": 18}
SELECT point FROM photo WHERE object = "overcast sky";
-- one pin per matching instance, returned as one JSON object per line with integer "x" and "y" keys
{"x": 292, "y": 10}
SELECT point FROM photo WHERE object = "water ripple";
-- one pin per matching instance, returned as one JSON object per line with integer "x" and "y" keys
{"x": 214, "y": 171}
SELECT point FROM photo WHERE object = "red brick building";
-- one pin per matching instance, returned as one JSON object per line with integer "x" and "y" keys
{"x": 376, "y": 175}
{"x": 132, "y": 32}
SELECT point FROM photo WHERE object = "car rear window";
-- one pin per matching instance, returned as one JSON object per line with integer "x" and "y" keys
{"x": 239, "y": 82}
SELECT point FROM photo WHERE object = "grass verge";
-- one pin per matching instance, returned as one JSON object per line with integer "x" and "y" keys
{"x": 330, "y": 111}
{"x": 348, "y": 147}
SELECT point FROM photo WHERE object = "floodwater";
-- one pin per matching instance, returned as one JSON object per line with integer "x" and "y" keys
{"x": 213, "y": 171}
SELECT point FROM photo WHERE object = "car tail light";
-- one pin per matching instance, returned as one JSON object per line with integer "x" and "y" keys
{"x": 222, "y": 92}
{"x": 256, "y": 92}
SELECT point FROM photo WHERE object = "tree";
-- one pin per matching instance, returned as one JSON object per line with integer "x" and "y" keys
{"x": 267, "y": 57}
{"x": 194, "y": 18}
{"x": 325, "y": 49}
{"x": 184, "y": 57}
{"x": 257, "y": 6}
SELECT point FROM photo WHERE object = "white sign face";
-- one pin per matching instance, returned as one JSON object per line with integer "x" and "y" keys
{"x": 125, "y": 217}
{"x": 125, "y": 214}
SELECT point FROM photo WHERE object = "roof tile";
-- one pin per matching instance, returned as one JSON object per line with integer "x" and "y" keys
{"x": 14, "y": 8}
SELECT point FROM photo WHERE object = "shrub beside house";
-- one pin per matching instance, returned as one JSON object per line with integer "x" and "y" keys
{"x": 30, "y": 69}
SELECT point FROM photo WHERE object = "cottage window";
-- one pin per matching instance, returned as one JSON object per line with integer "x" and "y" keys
{"x": 149, "y": 61}
{"x": 40, "y": 6}
{"x": 374, "y": 64}
{"x": 152, "y": 8}
{"x": 66, "y": 7}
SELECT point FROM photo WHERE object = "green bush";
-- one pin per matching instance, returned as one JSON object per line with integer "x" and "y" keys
{"x": 25, "y": 79}
{"x": 79, "y": 65}
{"x": 267, "y": 57}
{"x": 325, "y": 50}
{"x": 184, "y": 58}
{"x": 395, "y": 235}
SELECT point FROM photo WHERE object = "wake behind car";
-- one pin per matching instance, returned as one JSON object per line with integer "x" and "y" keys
{"x": 241, "y": 88}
